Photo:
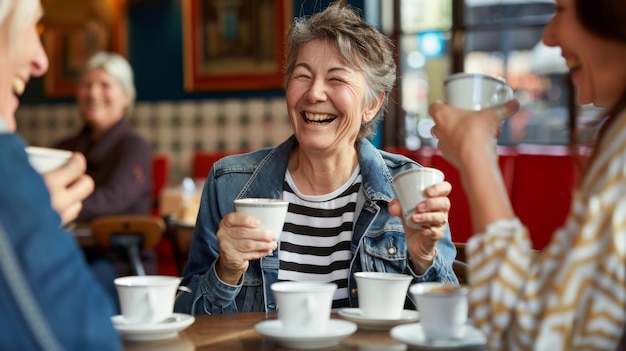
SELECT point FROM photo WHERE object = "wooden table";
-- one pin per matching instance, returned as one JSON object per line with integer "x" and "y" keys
{"x": 235, "y": 332}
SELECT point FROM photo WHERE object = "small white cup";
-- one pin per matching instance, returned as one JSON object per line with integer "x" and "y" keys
{"x": 381, "y": 295}
{"x": 270, "y": 212}
{"x": 443, "y": 309}
{"x": 45, "y": 159}
{"x": 304, "y": 307}
{"x": 409, "y": 187}
{"x": 474, "y": 91}
{"x": 147, "y": 299}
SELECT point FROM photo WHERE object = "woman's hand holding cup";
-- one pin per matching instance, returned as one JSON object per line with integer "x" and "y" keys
{"x": 423, "y": 206}
{"x": 248, "y": 234}
{"x": 69, "y": 186}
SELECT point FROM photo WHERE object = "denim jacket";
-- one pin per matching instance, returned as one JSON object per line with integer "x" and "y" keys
{"x": 378, "y": 243}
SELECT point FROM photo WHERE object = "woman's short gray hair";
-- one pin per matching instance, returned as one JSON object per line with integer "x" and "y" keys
{"x": 360, "y": 45}
{"x": 117, "y": 67}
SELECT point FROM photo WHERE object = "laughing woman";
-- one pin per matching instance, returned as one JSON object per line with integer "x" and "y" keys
{"x": 339, "y": 74}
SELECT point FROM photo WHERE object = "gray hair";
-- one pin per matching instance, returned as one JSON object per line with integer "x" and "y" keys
{"x": 118, "y": 68}
{"x": 22, "y": 11}
{"x": 361, "y": 46}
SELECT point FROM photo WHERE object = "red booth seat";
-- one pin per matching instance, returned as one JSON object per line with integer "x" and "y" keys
{"x": 539, "y": 179}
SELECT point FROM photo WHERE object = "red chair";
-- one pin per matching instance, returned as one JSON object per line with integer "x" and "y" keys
{"x": 204, "y": 160}
{"x": 544, "y": 179}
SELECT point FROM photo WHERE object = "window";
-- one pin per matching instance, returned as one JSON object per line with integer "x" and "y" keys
{"x": 499, "y": 37}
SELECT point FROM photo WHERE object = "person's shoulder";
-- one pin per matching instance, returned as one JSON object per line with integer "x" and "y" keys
{"x": 245, "y": 162}
{"x": 247, "y": 157}
{"x": 394, "y": 159}
{"x": 136, "y": 140}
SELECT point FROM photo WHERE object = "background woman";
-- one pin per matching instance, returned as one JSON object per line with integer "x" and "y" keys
{"x": 118, "y": 159}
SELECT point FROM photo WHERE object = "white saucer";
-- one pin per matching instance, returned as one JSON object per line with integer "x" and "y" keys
{"x": 159, "y": 331}
{"x": 413, "y": 335}
{"x": 336, "y": 331}
{"x": 354, "y": 315}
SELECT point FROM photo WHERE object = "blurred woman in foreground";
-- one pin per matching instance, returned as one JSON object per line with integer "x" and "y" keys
{"x": 48, "y": 298}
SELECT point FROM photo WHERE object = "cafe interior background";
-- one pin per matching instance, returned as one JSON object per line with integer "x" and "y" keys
{"x": 208, "y": 78}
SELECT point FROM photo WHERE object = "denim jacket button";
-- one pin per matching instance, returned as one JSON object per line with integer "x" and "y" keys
{"x": 392, "y": 250}
{"x": 353, "y": 292}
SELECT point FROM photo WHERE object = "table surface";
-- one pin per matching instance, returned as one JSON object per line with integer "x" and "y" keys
{"x": 235, "y": 331}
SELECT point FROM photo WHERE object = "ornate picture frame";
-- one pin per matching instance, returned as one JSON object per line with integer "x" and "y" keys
{"x": 234, "y": 45}
{"x": 69, "y": 41}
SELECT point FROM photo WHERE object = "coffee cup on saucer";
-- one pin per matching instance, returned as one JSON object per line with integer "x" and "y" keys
{"x": 304, "y": 307}
{"x": 443, "y": 309}
{"x": 147, "y": 299}
{"x": 381, "y": 295}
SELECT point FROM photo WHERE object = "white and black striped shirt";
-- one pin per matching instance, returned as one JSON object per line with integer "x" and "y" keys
{"x": 315, "y": 242}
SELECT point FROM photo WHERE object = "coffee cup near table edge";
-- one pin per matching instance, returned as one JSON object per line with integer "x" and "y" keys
{"x": 147, "y": 299}
{"x": 45, "y": 159}
{"x": 381, "y": 295}
{"x": 475, "y": 91}
{"x": 443, "y": 309}
{"x": 304, "y": 307}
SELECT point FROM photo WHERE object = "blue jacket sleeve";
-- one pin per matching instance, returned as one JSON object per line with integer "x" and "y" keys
{"x": 209, "y": 294}
{"x": 48, "y": 297}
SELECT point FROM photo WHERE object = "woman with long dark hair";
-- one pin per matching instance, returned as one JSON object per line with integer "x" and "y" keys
{"x": 573, "y": 295}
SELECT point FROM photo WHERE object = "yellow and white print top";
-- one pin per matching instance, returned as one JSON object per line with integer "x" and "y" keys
{"x": 572, "y": 295}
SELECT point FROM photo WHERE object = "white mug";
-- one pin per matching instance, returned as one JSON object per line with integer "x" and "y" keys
{"x": 381, "y": 295}
{"x": 409, "y": 187}
{"x": 475, "y": 91}
{"x": 304, "y": 307}
{"x": 443, "y": 309}
{"x": 270, "y": 212}
{"x": 147, "y": 299}
{"x": 45, "y": 159}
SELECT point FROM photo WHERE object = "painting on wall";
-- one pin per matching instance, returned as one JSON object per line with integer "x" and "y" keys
{"x": 234, "y": 45}
{"x": 73, "y": 30}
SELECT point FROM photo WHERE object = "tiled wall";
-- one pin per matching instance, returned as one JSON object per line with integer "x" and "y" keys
{"x": 175, "y": 128}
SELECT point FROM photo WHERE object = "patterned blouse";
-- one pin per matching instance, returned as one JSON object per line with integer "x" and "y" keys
{"x": 572, "y": 296}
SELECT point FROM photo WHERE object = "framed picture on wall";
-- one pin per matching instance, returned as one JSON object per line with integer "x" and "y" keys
{"x": 70, "y": 40}
{"x": 234, "y": 45}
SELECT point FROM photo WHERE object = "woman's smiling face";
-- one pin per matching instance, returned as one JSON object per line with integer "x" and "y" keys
{"x": 597, "y": 65}
{"x": 21, "y": 56}
{"x": 101, "y": 99}
{"x": 326, "y": 99}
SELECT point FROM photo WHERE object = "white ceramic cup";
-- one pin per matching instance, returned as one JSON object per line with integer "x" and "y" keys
{"x": 304, "y": 307}
{"x": 45, "y": 159}
{"x": 474, "y": 91}
{"x": 409, "y": 187}
{"x": 443, "y": 309}
{"x": 146, "y": 299}
{"x": 270, "y": 212}
{"x": 381, "y": 295}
